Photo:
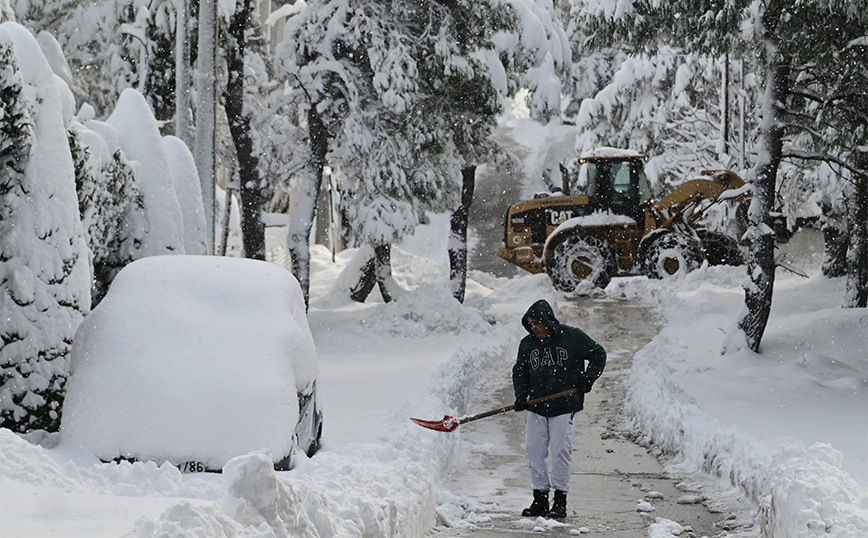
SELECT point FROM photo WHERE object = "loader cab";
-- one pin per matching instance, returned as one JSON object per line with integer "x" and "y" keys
{"x": 617, "y": 184}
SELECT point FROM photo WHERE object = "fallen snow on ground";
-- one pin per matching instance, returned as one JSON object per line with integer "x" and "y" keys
{"x": 788, "y": 426}
{"x": 740, "y": 417}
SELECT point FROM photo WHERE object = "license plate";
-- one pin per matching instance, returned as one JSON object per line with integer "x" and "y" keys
{"x": 192, "y": 467}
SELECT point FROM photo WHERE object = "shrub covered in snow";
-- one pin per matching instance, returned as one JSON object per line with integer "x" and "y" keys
{"x": 44, "y": 273}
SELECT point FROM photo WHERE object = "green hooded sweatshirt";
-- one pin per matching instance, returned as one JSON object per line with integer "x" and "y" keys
{"x": 555, "y": 364}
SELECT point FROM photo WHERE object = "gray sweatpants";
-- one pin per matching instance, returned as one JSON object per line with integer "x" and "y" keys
{"x": 558, "y": 432}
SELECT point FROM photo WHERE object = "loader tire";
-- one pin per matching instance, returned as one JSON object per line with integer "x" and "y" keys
{"x": 672, "y": 254}
{"x": 720, "y": 249}
{"x": 578, "y": 258}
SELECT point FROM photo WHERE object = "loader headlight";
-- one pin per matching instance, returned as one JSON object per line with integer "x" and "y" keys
{"x": 516, "y": 239}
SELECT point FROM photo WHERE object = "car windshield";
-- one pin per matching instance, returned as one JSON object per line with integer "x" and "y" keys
{"x": 588, "y": 174}
{"x": 621, "y": 177}
{"x": 644, "y": 187}
{"x": 621, "y": 174}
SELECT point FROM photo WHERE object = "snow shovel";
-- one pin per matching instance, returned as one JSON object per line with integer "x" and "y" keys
{"x": 448, "y": 424}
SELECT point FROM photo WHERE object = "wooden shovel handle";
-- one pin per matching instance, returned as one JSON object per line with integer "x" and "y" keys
{"x": 512, "y": 407}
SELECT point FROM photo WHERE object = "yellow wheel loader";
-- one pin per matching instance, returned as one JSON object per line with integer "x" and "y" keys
{"x": 616, "y": 228}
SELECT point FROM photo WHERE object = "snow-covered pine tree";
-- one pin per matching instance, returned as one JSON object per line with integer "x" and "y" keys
{"x": 284, "y": 138}
{"x": 139, "y": 137}
{"x": 159, "y": 85}
{"x": 44, "y": 269}
{"x": 592, "y": 66}
{"x": 90, "y": 199}
{"x": 826, "y": 111}
{"x": 406, "y": 99}
{"x": 516, "y": 45}
{"x": 660, "y": 99}
{"x": 16, "y": 134}
{"x": 856, "y": 290}
{"x": 112, "y": 45}
{"x": 332, "y": 50}
{"x": 35, "y": 14}
{"x": 185, "y": 179}
{"x": 88, "y": 31}
{"x": 125, "y": 240}
{"x": 447, "y": 104}
{"x": 536, "y": 54}
{"x": 276, "y": 116}
{"x": 645, "y": 26}
{"x": 786, "y": 38}
{"x": 7, "y": 14}
{"x": 110, "y": 205}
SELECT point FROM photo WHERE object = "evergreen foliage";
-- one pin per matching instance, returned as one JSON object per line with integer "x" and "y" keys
{"x": 806, "y": 54}
{"x": 112, "y": 45}
{"x": 408, "y": 97}
{"x": 43, "y": 265}
{"x": 110, "y": 205}
{"x": 21, "y": 406}
{"x": 16, "y": 129}
{"x": 137, "y": 135}
{"x": 639, "y": 85}
{"x": 127, "y": 236}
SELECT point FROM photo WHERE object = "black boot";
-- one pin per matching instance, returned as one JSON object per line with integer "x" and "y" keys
{"x": 539, "y": 506}
{"x": 559, "y": 505}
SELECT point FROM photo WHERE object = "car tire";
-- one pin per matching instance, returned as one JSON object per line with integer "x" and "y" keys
{"x": 720, "y": 249}
{"x": 672, "y": 254}
{"x": 578, "y": 258}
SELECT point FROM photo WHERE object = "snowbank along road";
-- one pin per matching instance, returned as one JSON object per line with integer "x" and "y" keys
{"x": 617, "y": 488}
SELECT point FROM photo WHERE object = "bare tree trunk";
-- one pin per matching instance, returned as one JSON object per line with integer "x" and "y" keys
{"x": 760, "y": 235}
{"x": 298, "y": 236}
{"x": 835, "y": 242}
{"x": 376, "y": 270}
{"x": 856, "y": 294}
{"x": 458, "y": 235}
{"x": 251, "y": 180}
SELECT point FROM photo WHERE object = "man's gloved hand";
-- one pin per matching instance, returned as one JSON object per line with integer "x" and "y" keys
{"x": 521, "y": 403}
{"x": 585, "y": 385}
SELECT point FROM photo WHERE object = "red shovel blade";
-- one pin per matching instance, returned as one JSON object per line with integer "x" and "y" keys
{"x": 448, "y": 423}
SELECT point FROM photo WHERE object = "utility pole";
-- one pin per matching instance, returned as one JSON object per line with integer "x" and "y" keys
{"x": 206, "y": 111}
{"x": 742, "y": 152}
{"x": 182, "y": 72}
{"x": 724, "y": 109}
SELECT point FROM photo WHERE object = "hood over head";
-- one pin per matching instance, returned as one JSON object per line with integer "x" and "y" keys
{"x": 542, "y": 311}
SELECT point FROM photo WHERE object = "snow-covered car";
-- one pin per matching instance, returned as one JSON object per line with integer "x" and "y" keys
{"x": 195, "y": 360}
